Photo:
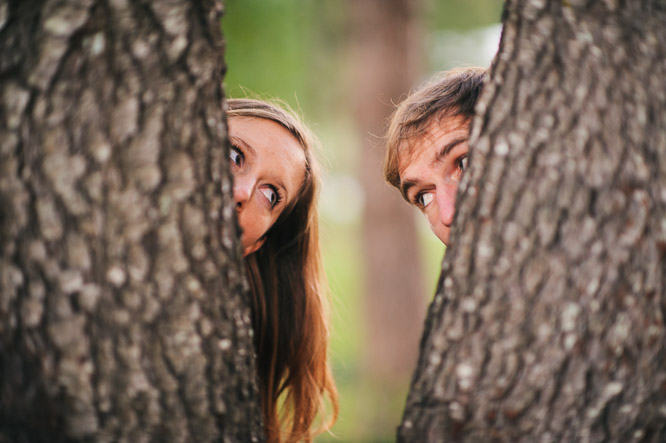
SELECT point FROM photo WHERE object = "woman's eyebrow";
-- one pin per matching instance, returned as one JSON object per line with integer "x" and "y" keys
{"x": 239, "y": 141}
{"x": 447, "y": 148}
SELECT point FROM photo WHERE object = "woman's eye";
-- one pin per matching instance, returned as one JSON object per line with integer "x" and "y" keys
{"x": 236, "y": 156}
{"x": 424, "y": 199}
{"x": 271, "y": 194}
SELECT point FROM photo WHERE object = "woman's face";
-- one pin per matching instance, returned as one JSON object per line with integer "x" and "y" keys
{"x": 268, "y": 164}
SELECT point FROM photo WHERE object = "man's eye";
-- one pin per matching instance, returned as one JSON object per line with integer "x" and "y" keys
{"x": 271, "y": 194}
{"x": 236, "y": 156}
{"x": 462, "y": 163}
{"x": 424, "y": 199}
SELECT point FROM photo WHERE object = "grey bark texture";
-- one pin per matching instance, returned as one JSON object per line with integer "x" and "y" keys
{"x": 123, "y": 314}
{"x": 548, "y": 324}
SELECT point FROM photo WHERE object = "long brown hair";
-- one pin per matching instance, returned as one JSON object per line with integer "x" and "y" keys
{"x": 289, "y": 302}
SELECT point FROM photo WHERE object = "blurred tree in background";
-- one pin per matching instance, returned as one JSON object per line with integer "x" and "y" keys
{"x": 311, "y": 55}
{"x": 386, "y": 52}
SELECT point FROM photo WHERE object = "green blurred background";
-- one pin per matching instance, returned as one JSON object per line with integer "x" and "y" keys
{"x": 299, "y": 51}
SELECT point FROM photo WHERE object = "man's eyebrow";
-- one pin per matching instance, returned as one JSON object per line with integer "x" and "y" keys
{"x": 406, "y": 185}
{"x": 447, "y": 148}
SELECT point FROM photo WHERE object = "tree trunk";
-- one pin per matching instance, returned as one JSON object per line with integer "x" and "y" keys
{"x": 123, "y": 314}
{"x": 548, "y": 324}
{"x": 387, "y": 64}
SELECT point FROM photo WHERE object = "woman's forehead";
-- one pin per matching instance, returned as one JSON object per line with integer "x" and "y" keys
{"x": 279, "y": 154}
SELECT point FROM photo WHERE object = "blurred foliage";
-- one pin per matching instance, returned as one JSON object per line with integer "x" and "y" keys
{"x": 295, "y": 50}
{"x": 273, "y": 56}
{"x": 462, "y": 14}
{"x": 283, "y": 48}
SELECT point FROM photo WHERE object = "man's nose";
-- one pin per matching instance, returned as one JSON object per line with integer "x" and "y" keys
{"x": 446, "y": 203}
{"x": 243, "y": 187}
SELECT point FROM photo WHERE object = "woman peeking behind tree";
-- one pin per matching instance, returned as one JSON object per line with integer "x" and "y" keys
{"x": 276, "y": 185}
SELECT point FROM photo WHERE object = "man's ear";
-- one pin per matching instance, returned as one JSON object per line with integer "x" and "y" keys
{"x": 254, "y": 247}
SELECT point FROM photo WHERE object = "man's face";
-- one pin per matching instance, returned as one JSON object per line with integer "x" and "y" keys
{"x": 431, "y": 168}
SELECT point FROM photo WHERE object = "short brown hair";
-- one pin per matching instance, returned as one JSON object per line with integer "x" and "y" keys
{"x": 449, "y": 94}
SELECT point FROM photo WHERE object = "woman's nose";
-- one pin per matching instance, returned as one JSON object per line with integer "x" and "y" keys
{"x": 242, "y": 191}
{"x": 446, "y": 203}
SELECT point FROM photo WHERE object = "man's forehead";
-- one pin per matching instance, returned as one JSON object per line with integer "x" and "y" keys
{"x": 425, "y": 141}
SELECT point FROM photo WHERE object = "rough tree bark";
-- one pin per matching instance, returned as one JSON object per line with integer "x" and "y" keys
{"x": 122, "y": 307}
{"x": 549, "y": 321}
